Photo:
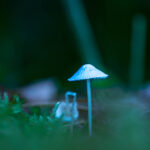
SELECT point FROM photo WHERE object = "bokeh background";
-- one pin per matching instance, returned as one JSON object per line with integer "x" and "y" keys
{"x": 46, "y": 38}
{"x": 42, "y": 40}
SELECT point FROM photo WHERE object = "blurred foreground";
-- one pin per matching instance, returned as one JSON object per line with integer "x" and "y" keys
{"x": 121, "y": 121}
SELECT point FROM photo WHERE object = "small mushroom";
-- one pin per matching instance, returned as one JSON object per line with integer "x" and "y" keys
{"x": 64, "y": 110}
{"x": 88, "y": 72}
{"x": 68, "y": 110}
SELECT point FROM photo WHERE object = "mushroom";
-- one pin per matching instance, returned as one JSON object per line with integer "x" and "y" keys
{"x": 68, "y": 110}
{"x": 88, "y": 72}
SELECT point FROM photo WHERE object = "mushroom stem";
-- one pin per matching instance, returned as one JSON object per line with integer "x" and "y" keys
{"x": 89, "y": 106}
{"x": 73, "y": 107}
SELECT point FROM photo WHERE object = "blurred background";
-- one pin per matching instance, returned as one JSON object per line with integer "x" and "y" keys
{"x": 44, "y": 42}
{"x": 46, "y": 38}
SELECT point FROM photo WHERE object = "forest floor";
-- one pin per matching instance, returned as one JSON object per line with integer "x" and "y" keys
{"x": 121, "y": 120}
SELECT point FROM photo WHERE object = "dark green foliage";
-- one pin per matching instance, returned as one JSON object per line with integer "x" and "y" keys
{"x": 118, "y": 127}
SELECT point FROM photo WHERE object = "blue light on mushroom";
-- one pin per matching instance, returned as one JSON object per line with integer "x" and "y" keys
{"x": 88, "y": 72}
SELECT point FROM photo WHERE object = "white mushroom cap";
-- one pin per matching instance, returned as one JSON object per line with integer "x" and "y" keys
{"x": 88, "y": 72}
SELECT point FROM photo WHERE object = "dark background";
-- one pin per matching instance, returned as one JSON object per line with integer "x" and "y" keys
{"x": 37, "y": 41}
